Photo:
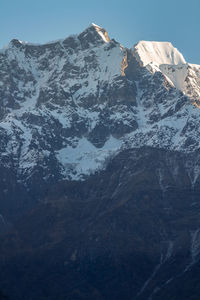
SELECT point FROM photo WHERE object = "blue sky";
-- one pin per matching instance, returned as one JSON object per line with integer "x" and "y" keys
{"x": 128, "y": 21}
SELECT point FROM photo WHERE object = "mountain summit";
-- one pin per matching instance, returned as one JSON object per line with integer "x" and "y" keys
{"x": 158, "y": 52}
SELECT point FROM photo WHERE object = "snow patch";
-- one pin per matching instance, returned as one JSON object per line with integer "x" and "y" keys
{"x": 85, "y": 158}
{"x": 157, "y": 52}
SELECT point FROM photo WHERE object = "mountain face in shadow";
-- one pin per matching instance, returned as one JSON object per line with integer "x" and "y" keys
{"x": 126, "y": 232}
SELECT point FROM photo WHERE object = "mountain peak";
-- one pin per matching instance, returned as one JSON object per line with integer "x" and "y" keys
{"x": 15, "y": 42}
{"x": 94, "y": 28}
{"x": 95, "y": 25}
{"x": 157, "y": 52}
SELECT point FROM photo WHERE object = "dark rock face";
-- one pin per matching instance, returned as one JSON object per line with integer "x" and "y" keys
{"x": 129, "y": 232}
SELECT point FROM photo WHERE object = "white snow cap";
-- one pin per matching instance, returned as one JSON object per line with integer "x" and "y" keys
{"x": 157, "y": 52}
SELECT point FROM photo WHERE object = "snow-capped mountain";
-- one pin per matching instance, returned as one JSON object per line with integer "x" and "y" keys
{"x": 68, "y": 106}
{"x": 84, "y": 104}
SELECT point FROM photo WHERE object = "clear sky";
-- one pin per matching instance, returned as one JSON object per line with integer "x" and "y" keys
{"x": 128, "y": 21}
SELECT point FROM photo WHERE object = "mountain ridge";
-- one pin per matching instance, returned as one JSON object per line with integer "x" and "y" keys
{"x": 92, "y": 83}
{"x": 69, "y": 106}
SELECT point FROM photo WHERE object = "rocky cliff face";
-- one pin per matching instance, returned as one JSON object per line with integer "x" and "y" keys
{"x": 99, "y": 149}
{"x": 69, "y": 105}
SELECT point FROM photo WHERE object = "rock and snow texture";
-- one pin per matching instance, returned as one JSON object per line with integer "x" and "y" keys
{"x": 69, "y": 105}
{"x": 102, "y": 32}
{"x": 164, "y": 57}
